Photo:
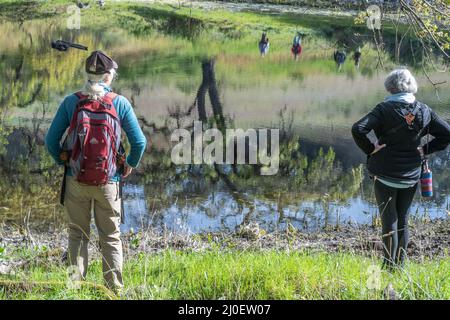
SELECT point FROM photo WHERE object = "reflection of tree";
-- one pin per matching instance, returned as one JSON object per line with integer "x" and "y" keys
{"x": 30, "y": 179}
{"x": 33, "y": 72}
{"x": 319, "y": 175}
{"x": 32, "y": 75}
{"x": 216, "y": 172}
{"x": 209, "y": 85}
{"x": 169, "y": 22}
{"x": 300, "y": 177}
{"x": 20, "y": 11}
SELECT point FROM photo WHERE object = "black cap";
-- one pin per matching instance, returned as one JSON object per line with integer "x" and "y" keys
{"x": 99, "y": 63}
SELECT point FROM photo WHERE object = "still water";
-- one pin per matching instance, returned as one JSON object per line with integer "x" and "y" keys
{"x": 321, "y": 182}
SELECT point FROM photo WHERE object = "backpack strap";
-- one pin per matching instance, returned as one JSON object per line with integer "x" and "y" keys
{"x": 109, "y": 98}
{"x": 80, "y": 95}
{"x": 403, "y": 124}
{"x": 111, "y": 95}
{"x": 82, "y": 98}
{"x": 106, "y": 99}
{"x": 426, "y": 120}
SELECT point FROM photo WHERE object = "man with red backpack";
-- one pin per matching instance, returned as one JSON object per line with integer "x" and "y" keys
{"x": 94, "y": 119}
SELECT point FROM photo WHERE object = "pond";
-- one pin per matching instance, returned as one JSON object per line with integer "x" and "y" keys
{"x": 321, "y": 181}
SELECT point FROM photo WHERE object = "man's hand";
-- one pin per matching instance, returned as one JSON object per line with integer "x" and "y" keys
{"x": 126, "y": 171}
{"x": 378, "y": 147}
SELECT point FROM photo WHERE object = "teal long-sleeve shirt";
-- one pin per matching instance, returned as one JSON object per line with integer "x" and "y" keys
{"x": 128, "y": 122}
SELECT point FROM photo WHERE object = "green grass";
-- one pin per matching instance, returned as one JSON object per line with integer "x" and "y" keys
{"x": 156, "y": 38}
{"x": 241, "y": 275}
{"x": 151, "y": 42}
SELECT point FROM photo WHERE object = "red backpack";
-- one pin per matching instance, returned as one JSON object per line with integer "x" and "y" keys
{"x": 94, "y": 140}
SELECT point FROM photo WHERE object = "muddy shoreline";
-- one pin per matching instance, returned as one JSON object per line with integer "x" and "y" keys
{"x": 428, "y": 240}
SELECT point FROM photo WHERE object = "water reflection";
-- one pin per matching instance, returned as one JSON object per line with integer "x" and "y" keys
{"x": 321, "y": 181}
{"x": 219, "y": 211}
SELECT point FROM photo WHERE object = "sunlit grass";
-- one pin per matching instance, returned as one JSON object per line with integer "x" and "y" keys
{"x": 248, "y": 275}
{"x": 130, "y": 31}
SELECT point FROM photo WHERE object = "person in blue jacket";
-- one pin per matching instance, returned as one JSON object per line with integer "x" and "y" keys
{"x": 264, "y": 45}
{"x": 105, "y": 199}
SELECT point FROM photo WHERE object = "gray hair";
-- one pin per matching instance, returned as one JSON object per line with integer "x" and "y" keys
{"x": 399, "y": 81}
{"x": 93, "y": 87}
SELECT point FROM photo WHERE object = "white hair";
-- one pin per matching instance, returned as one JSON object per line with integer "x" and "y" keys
{"x": 93, "y": 86}
{"x": 399, "y": 81}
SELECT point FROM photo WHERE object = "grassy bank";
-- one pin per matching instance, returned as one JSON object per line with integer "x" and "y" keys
{"x": 240, "y": 275}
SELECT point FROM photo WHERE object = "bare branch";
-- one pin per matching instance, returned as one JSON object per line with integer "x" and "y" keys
{"x": 419, "y": 21}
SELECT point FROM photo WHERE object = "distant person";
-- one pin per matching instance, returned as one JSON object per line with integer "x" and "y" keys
{"x": 264, "y": 45}
{"x": 357, "y": 57}
{"x": 82, "y": 5}
{"x": 395, "y": 159}
{"x": 94, "y": 118}
{"x": 297, "y": 46}
{"x": 339, "y": 57}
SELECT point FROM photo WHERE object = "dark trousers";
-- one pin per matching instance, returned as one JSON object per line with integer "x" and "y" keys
{"x": 394, "y": 206}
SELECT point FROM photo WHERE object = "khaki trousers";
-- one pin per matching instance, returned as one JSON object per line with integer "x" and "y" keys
{"x": 105, "y": 201}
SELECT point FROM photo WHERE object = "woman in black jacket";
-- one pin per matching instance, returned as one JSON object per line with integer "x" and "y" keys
{"x": 394, "y": 161}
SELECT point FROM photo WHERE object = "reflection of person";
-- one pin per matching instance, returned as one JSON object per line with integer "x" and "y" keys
{"x": 339, "y": 57}
{"x": 357, "y": 57}
{"x": 95, "y": 160}
{"x": 394, "y": 161}
{"x": 264, "y": 45}
{"x": 297, "y": 46}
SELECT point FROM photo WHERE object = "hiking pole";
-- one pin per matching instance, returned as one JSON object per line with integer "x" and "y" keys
{"x": 122, "y": 207}
{"x": 121, "y": 159}
{"x": 63, "y": 187}
{"x": 64, "y": 156}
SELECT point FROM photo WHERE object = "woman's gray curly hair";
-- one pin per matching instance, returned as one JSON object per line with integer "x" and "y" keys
{"x": 400, "y": 81}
